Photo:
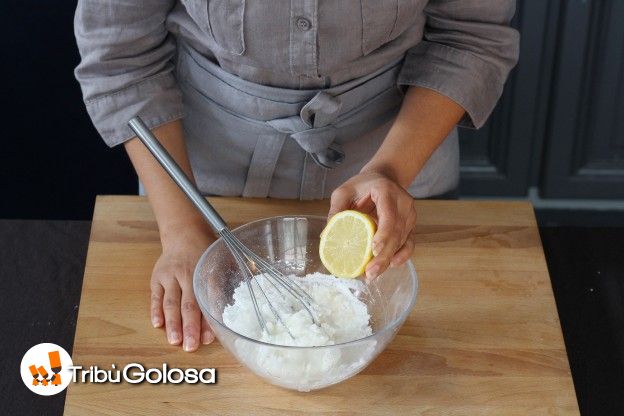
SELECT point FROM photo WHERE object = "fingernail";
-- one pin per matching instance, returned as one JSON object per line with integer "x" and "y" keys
{"x": 377, "y": 248}
{"x": 174, "y": 338}
{"x": 372, "y": 272}
{"x": 189, "y": 343}
{"x": 156, "y": 322}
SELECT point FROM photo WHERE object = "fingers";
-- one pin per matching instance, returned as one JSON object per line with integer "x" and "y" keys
{"x": 341, "y": 199}
{"x": 393, "y": 243}
{"x": 156, "y": 305}
{"x": 387, "y": 239}
{"x": 365, "y": 204}
{"x": 173, "y": 303}
{"x": 405, "y": 252}
{"x": 207, "y": 336}
{"x": 191, "y": 319}
{"x": 171, "y": 308}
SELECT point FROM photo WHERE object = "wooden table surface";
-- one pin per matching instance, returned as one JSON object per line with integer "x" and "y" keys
{"x": 483, "y": 339}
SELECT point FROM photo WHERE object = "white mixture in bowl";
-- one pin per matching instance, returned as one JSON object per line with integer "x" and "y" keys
{"x": 341, "y": 316}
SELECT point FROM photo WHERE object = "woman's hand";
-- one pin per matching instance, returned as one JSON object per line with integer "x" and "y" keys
{"x": 173, "y": 302}
{"x": 425, "y": 119}
{"x": 184, "y": 235}
{"x": 378, "y": 195}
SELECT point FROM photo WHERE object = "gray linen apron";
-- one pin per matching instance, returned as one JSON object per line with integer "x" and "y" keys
{"x": 252, "y": 140}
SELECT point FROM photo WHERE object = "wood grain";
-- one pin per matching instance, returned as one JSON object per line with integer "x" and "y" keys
{"x": 483, "y": 339}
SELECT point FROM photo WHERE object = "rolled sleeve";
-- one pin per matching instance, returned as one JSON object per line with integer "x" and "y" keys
{"x": 467, "y": 52}
{"x": 126, "y": 66}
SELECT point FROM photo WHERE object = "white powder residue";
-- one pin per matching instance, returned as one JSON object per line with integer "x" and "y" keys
{"x": 341, "y": 317}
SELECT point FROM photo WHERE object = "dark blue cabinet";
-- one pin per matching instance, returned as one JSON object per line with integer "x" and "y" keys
{"x": 585, "y": 151}
{"x": 558, "y": 126}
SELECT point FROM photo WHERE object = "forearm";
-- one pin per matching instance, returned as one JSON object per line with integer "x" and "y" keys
{"x": 172, "y": 209}
{"x": 424, "y": 121}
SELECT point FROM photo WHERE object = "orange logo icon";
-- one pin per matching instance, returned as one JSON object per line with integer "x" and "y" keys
{"x": 45, "y": 369}
{"x": 55, "y": 366}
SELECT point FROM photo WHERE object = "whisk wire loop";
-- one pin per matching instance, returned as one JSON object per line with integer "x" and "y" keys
{"x": 252, "y": 264}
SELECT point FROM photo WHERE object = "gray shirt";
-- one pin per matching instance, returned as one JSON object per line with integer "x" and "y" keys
{"x": 463, "y": 49}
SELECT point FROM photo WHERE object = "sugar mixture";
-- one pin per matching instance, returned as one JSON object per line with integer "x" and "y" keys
{"x": 341, "y": 316}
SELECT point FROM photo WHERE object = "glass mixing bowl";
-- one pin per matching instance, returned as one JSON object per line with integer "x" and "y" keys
{"x": 291, "y": 243}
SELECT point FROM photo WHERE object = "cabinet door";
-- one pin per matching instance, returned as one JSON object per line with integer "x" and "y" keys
{"x": 585, "y": 136}
{"x": 498, "y": 158}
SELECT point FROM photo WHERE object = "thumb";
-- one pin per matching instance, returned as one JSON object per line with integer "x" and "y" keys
{"x": 341, "y": 199}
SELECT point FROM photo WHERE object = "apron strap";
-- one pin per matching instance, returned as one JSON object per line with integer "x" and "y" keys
{"x": 312, "y": 180}
{"x": 262, "y": 165}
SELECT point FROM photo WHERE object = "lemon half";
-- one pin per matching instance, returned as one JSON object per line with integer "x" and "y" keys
{"x": 346, "y": 244}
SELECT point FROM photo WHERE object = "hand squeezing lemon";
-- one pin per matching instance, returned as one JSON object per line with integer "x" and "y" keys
{"x": 346, "y": 244}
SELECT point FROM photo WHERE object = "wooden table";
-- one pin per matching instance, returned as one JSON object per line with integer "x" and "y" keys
{"x": 483, "y": 339}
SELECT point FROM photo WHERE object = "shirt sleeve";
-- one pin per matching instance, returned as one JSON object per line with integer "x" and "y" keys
{"x": 126, "y": 67}
{"x": 466, "y": 54}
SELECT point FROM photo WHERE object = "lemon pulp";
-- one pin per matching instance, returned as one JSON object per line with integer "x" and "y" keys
{"x": 346, "y": 243}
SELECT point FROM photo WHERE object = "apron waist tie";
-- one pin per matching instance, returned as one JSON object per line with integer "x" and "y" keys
{"x": 313, "y": 131}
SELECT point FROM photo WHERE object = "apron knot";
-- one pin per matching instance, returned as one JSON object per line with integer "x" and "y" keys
{"x": 321, "y": 110}
{"x": 319, "y": 143}
{"x": 313, "y": 130}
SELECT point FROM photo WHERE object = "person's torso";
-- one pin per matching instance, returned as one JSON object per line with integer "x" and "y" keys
{"x": 299, "y": 44}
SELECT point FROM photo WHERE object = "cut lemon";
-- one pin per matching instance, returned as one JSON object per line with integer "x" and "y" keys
{"x": 346, "y": 244}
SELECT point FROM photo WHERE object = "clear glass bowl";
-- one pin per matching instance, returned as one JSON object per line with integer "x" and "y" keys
{"x": 291, "y": 243}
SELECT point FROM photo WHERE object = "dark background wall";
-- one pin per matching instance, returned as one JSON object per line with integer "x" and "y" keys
{"x": 558, "y": 126}
{"x": 52, "y": 162}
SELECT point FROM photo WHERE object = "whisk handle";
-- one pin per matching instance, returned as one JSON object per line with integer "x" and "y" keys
{"x": 179, "y": 177}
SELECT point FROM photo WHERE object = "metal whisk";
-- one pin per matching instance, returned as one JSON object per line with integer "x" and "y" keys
{"x": 249, "y": 262}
